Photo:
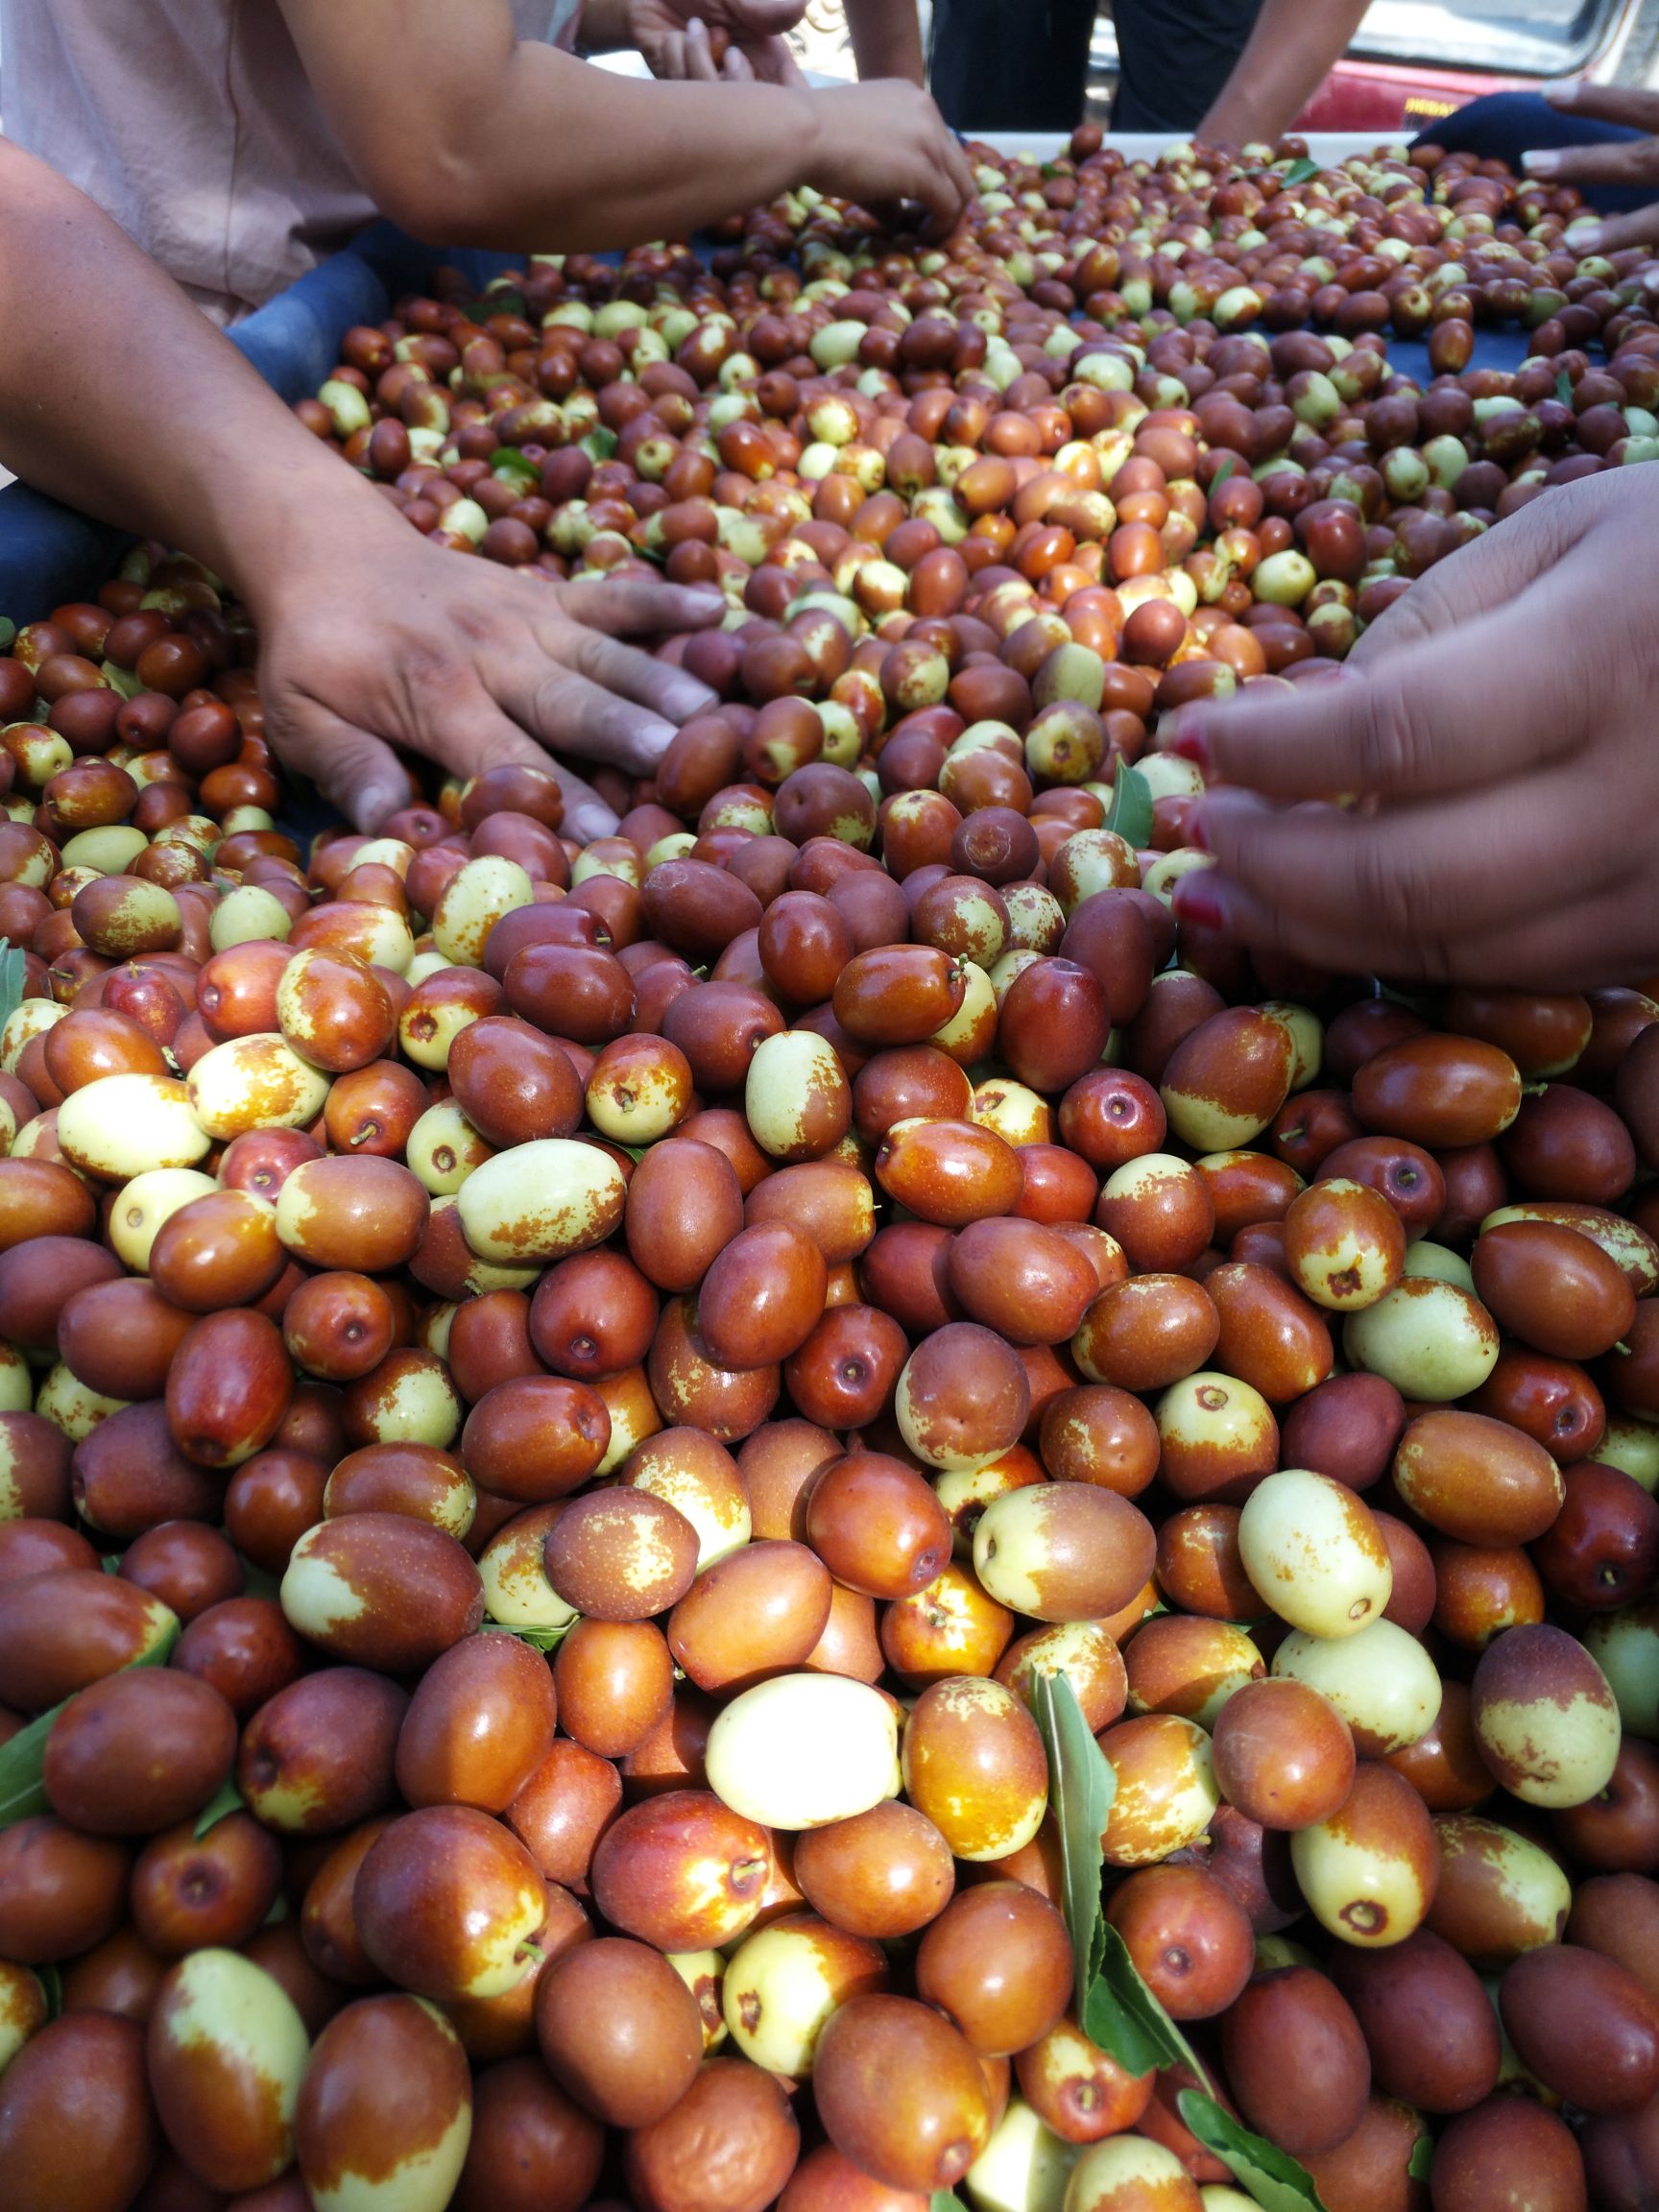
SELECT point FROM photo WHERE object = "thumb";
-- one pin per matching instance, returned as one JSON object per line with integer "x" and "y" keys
{"x": 764, "y": 18}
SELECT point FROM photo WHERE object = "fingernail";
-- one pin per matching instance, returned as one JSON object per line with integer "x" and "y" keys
{"x": 704, "y": 599}
{"x": 685, "y": 697}
{"x": 1200, "y": 899}
{"x": 651, "y": 739}
{"x": 376, "y": 802}
{"x": 591, "y": 821}
{"x": 1559, "y": 89}
{"x": 1190, "y": 742}
{"x": 697, "y": 28}
{"x": 1543, "y": 163}
{"x": 1584, "y": 235}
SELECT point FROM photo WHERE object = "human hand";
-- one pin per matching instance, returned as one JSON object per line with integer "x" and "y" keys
{"x": 1626, "y": 162}
{"x": 886, "y": 141}
{"x": 1498, "y": 724}
{"x": 399, "y": 642}
{"x": 707, "y": 41}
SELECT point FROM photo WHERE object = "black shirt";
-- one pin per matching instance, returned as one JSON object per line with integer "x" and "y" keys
{"x": 1023, "y": 64}
{"x": 1175, "y": 56}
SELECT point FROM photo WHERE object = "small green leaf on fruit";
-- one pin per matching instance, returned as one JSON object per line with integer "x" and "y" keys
{"x": 1130, "y": 813}
{"x": 1563, "y": 387}
{"x": 8, "y": 632}
{"x": 1226, "y": 470}
{"x": 1422, "y": 2157}
{"x": 226, "y": 1798}
{"x": 509, "y": 461}
{"x": 599, "y": 444}
{"x": 1260, "y": 2169}
{"x": 22, "y": 1765}
{"x": 1081, "y": 1787}
{"x": 1124, "y": 2017}
{"x": 1299, "y": 171}
{"x": 946, "y": 2200}
{"x": 258, "y": 1582}
{"x": 13, "y": 972}
{"x": 542, "y": 1638}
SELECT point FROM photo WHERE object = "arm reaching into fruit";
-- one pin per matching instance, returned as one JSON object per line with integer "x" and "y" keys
{"x": 466, "y": 135}
{"x": 1290, "y": 53}
{"x": 369, "y": 637}
{"x": 1620, "y": 161}
{"x": 1499, "y": 722}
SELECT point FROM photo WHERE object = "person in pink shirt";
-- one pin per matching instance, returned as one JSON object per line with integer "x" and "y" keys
{"x": 238, "y": 143}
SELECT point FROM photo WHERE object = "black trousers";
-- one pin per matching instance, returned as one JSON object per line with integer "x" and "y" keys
{"x": 1021, "y": 64}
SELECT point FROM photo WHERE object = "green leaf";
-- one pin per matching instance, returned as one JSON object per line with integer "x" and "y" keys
{"x": 1299, "y": 171}
{"x": 258, "y": 1582}
{"x": 23, "y": 1759}
{"x": 1263, "y": 2171}
{"x": 226, "y": 1798}
{"x": 1081, "y": 1787}
{"x": 111, "y": 1562}
{"x": 1422, "y": 2157}
{"x": 1226, "y": 470}
{"x": 1563, "y": 387}
{"x": 8, "y": 632}
{"x": 946, "y": 2200}
{"x": 1131, "y": 810}
{"x": 12, "y": 974}
{"x": 52, "y": 1981}
{"x": 1123, "y": 2017}
{"x": 599, "y": 444}
{"x": 509, "y": 461}
{"x": 542, "y": 1638}
{"x": 22, "y": 1762}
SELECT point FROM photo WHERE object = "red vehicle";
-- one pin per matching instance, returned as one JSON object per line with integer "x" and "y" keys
{"x": 1415, "y": 59}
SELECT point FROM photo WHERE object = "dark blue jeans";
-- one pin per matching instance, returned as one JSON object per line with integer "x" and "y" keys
{"x": 1505, "y": 125}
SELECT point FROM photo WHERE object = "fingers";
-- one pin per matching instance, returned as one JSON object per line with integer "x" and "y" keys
{"x": 1614, "y": 232}
{"x": 1618, "y": 162}
{"x": 735, "y": 69}
{"x": 586, "y": 814}
{"x": 1620, "y": 103}
{"x": 1411, "y": 882}
{"x": 1447, "y": 714}
{"x": 754, "y": 19}
{"x": 775, "y": 63}
{"x": 637, "y": 606}
{"x": 1574, "y": 943}
{"x": 701, "y": 66}
{"x": 598, "y": 699}
{"x": 359, "y": 774}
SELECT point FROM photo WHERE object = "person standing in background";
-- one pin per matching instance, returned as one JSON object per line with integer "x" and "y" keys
{"x": 1229, "y": 72}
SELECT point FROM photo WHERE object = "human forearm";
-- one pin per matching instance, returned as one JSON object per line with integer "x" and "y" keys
{"x": 467, "y": 135}
{"x": 176, "y": 436}
{"x": 886, "y": 38}
{"x": 1290, "y": 52}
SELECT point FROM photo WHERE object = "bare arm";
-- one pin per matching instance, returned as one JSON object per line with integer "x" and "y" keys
{"x": 369, "y": 636}
{"x": 467, "y": 135}
{"x": 1291, "y": 49}
{"x": 886, "y": 38}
